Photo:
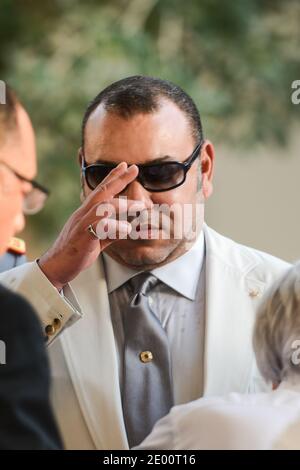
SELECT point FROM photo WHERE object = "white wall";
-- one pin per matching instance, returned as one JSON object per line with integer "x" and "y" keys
{"x": 256, "y": 199}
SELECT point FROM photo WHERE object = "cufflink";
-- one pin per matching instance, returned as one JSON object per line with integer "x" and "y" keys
{"x": 254, "y": 293}
{"x": 51, "y": 329}
{"x": 56, "y": 323}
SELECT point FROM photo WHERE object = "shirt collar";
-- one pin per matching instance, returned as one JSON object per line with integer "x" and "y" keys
{"x": 182, "y": 274}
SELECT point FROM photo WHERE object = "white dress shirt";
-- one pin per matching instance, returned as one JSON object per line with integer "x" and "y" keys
{"x": 233, "y": 422}
{"x": 179, "y": 302}
{"x": 290, "y": 438}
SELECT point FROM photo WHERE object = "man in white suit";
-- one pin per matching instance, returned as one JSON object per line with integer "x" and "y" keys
{"x": 256, "y": 421}
{"x": 206, "y": 287}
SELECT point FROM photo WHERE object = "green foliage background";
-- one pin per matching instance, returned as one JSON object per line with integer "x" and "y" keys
{"x": 237, "y": 58}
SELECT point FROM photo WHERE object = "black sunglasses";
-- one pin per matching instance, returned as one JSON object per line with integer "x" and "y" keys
{"x": 156, "y": 177}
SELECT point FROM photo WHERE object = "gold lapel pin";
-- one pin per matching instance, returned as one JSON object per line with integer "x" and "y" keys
{"x": 254, "y": 293}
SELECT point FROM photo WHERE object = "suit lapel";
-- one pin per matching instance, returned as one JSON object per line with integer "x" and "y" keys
{"x": 231, "y": 302}
{"x": 90, "y": 353}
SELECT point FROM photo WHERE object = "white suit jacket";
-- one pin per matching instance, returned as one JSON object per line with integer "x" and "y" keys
{"x": 86, "y": 392}
{"x": 233, "y": 422}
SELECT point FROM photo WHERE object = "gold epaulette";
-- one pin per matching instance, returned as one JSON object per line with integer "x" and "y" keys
{"x": 17, "y": 246}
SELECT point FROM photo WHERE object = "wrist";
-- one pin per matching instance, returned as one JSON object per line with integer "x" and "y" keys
{"x": 49, "y": 271}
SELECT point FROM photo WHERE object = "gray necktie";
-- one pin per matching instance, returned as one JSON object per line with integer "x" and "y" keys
{"x": 147, "y": 384}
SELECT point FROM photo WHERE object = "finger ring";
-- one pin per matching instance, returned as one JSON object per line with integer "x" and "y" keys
{"x": 92, "y": 231}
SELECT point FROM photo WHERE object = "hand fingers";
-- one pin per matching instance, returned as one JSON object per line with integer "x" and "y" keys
{"x": 119, "y": 182}
{"x": 114, "y": 210}
{"x": 115, "y": 172}
{"x": 113, "y": 184}
{"x": 117, "y": 207}
{"x": 109, "y": 230}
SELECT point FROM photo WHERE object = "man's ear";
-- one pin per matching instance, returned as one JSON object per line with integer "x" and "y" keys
{"x": 207, "y": 168}
{"x": 80, "y": 158}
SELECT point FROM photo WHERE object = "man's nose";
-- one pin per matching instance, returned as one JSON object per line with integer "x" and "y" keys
{"x": 137, "y": 192}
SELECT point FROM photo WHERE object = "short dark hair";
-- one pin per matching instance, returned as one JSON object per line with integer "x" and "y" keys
{"x": 8, "y": 115}
{"x": 141, "y": 94}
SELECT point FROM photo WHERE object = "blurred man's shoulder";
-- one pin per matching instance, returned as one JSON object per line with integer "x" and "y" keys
{"x": 16, "y": 310}
{"x": 14, "y": 256}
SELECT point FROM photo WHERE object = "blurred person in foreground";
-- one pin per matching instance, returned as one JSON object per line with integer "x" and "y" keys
{"x": 255, "y": 421}
{"x": 290, "y": 438}
{"x": 137, "y": 325}
{"x": 26, "y": 420}
{"x": 15, "y": 254}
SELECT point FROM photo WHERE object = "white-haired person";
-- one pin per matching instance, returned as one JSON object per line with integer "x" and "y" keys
{"x": 250, "y": 421}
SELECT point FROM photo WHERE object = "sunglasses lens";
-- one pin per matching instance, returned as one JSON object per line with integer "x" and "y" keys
{"x": 94, "y": 175}
{"x": 162, "y": 177}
